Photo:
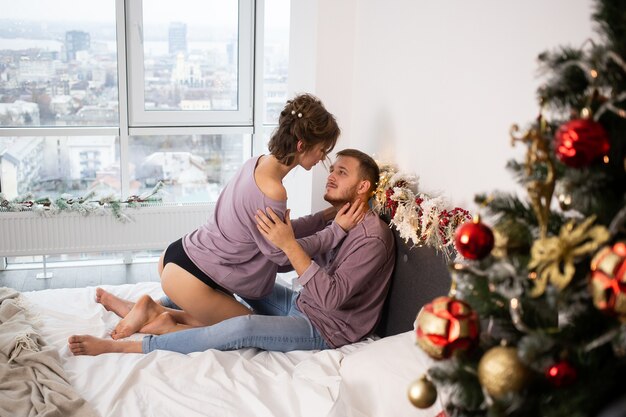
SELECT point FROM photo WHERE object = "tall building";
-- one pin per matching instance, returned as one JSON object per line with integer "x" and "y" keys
{"x": 177, "y": 38}
{"x": 76, "y": 40}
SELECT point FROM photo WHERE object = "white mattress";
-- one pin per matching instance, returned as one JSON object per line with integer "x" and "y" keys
{"x": 244, "y": 382}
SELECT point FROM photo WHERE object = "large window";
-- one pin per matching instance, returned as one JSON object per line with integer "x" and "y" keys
{"x": 117, "y": 95}
{"x": 113, "y": 96}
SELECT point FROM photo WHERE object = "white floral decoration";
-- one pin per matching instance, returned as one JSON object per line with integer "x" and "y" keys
{"x": 420, "y": 218}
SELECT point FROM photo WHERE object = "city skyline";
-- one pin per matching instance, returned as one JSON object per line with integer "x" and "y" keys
{"x": 45, "y": 30}
{"x": 71, "y": 80}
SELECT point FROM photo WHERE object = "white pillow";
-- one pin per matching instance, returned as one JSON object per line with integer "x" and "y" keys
{"x": 375, "y": 379}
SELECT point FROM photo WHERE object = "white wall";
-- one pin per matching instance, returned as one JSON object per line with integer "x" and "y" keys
{"x": 302, "y": 68}
{"x": 435, "y": 85}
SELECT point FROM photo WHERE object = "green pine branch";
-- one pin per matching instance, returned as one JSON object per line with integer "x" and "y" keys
{"x": 507, "y": 207}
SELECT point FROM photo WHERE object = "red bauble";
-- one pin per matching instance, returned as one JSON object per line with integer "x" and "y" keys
{"x": 608, "y": 279}
{"x": 580, "y": 142}
{"x": 474, "y": 240}
{"x": 561, "y": 374}
{"x": 446, "y": 325}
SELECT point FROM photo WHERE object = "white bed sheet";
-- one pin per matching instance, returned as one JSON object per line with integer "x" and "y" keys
{"x": 212, "y": 383}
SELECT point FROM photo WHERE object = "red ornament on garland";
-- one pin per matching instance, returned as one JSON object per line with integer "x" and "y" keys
{"x": 580, "y": 142}
{"x": 389, "y": 203}
{"x": 474, "y": 240}
{"x": 446, "y": 325}
{"x": 561, "y": 374}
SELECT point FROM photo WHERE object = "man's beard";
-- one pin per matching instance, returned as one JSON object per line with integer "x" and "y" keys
{"x": 346, "y": 197}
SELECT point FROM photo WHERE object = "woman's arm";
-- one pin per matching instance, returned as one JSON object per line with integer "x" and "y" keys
{"x": 321, "y": 241}
{"x": 299, "y": 251}
{"x": 310, "y": 224}
{"x": 282, "y": 235}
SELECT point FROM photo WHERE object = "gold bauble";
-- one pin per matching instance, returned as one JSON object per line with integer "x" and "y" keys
{"x": 501, "y": 372}
{"x": 422, "y": 393}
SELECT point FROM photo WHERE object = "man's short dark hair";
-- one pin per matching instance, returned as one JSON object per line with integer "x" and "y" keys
{"x": 368, "y": 168}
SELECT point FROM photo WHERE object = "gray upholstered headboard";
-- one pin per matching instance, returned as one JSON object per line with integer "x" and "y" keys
{"x": 420, "y": 274}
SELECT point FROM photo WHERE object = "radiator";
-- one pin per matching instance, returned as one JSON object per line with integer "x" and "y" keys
{"x": 151, "y": 228}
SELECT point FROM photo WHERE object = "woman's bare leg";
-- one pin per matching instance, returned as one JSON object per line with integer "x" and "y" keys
{"x": 148, "y": 316}
{"x": 206, "y": 307}
{"x": 91, "y": 345}
{"x": 122, "y": 307}
{"x": 143, "y": 315}
{"x": 164, "y": 323}
{"x": 113, "y": 303}
{"x": 143, "y": 312}
{"x": 201, "y": 304}
{"x": 118, "y": 305}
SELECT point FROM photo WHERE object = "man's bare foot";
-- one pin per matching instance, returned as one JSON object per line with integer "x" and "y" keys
{"x": 163, "y": 323}
{"x": 113, "y": 303}
{"x": 90, "y": 345}
{"x": 143, "y": 312}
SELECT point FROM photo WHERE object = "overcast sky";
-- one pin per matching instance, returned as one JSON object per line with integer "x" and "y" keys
{"x": 156, "y": 10}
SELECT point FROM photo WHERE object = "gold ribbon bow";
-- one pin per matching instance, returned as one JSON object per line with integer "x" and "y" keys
{"x": 553, "y": 257}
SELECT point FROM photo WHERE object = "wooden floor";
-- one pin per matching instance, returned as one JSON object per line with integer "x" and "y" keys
{"x": 77, "y": 277}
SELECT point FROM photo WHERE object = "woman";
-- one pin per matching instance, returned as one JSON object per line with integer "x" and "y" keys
{"x": 201, "y": 271}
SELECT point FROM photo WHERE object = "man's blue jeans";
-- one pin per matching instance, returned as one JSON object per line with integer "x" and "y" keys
{"x": 278, "y": 325}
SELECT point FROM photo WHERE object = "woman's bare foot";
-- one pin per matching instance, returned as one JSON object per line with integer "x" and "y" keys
{"x": 90, "y": 345}
{"x": 143, "y": 312}
{"x": 113, "y": 303}
{"x": 163, "y": 323}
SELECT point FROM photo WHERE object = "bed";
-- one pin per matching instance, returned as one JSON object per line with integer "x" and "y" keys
{"x": 368, "y": 378}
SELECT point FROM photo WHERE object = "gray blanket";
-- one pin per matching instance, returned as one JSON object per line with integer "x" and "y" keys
{"x": 32, "y": 381}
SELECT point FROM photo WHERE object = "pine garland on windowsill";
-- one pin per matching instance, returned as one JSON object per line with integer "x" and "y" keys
{"x": 85, "y": 205}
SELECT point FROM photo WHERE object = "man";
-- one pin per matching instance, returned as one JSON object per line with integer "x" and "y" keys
{"x": 342, "y": 293}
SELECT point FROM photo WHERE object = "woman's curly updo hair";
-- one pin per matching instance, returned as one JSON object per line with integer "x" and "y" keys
{"x": 304, "y": 118}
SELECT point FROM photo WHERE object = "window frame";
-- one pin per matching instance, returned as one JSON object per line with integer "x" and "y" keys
{"x": 252, "y": 92}
{"x": 139, "y": 116}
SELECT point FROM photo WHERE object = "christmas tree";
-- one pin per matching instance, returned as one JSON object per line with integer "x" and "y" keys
{"x": 535, "y": 322}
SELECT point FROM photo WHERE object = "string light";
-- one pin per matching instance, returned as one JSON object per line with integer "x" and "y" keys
{"x": 592, "y": 75}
